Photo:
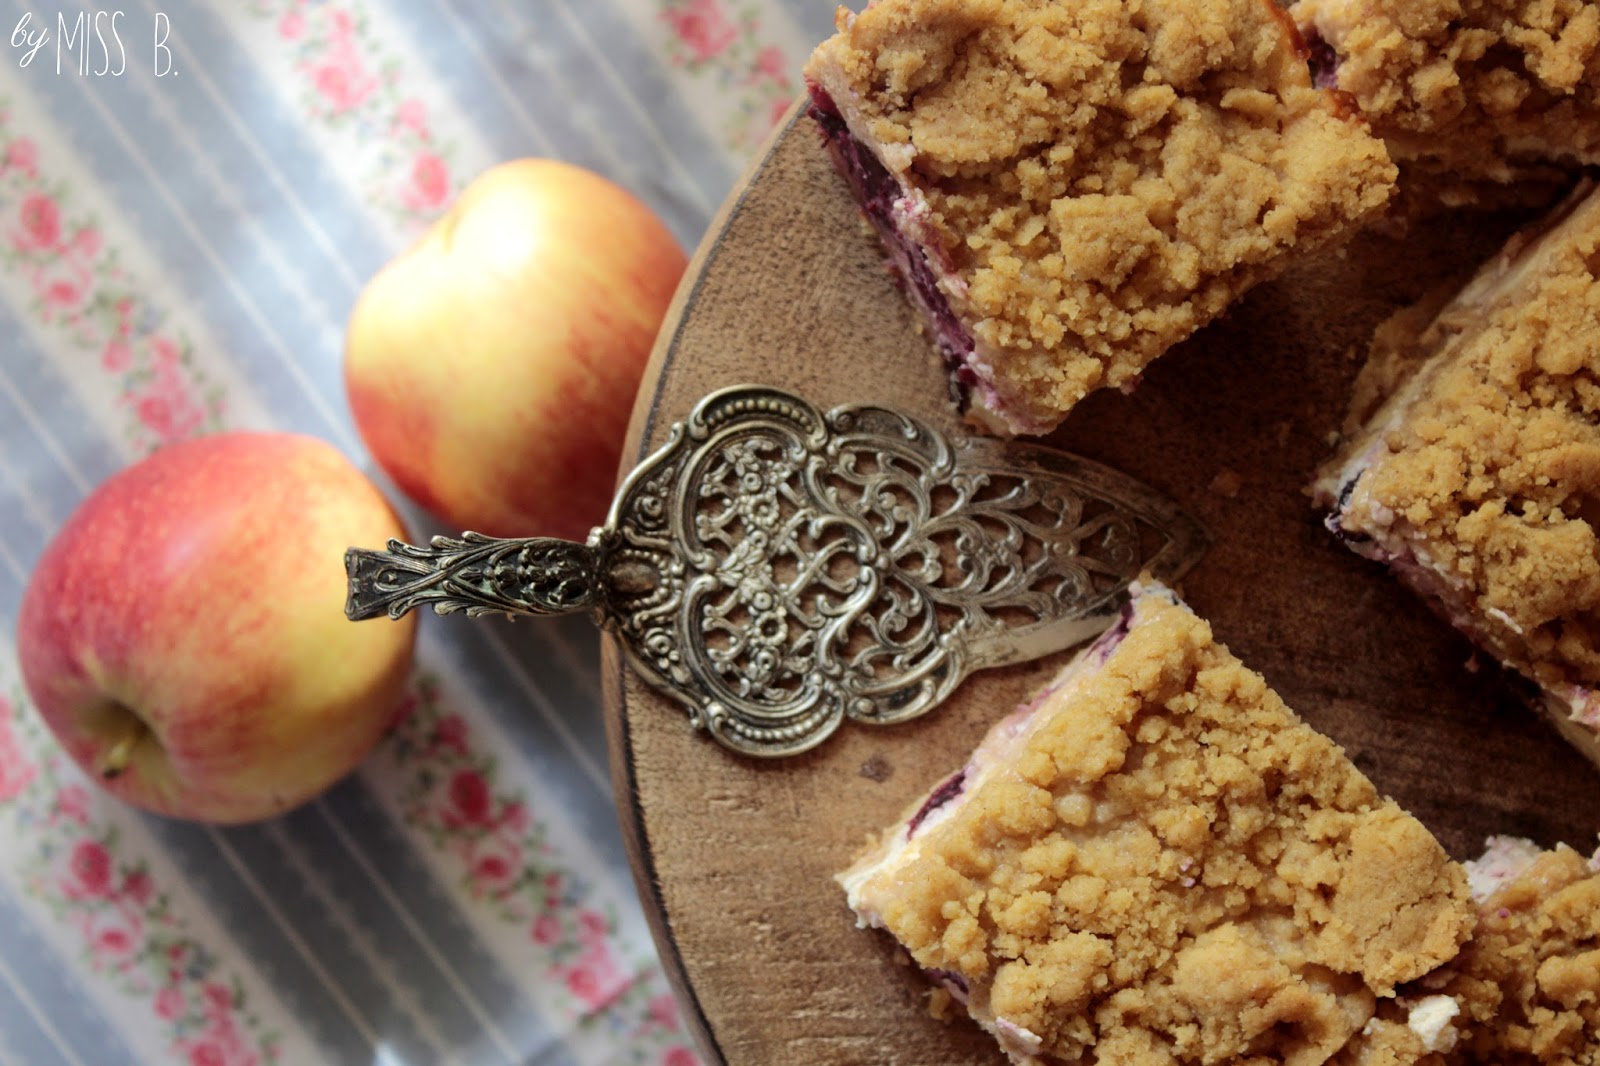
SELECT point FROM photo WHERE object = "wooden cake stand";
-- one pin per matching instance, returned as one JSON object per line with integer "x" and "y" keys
{"x": 735, "y": 857}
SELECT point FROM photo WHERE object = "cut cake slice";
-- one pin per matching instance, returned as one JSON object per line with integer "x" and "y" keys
{"x": 1068, "y": 190}
{"x": 1156, "y": 861}
{"x": 1489, "y": 90}
{"x": 1525, "y": 990}
{"x": 1472, "y": 462}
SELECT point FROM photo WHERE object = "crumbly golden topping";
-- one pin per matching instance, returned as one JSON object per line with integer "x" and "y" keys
{"x": 1492, "y": 473}
{"x": 1529, "y": 982}
{"x": 1103, "y": 177}
{"x": 1475, "y": 88}
{"x": 1384, "y": 1041}
{"x": 1175, "y": 869}
{"x": 1527, "y": 985}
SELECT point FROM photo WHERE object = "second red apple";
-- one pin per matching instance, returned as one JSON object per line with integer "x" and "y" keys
{"x": 492, "y": 368}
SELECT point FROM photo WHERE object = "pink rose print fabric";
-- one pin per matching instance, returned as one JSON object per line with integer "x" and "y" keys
{"x": 179, "y": 253}
{"x": 115, "y": 916}
{"x": 724, "y": 46}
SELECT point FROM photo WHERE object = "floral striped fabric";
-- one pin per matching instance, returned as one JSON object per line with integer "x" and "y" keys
{"x": 181, "y": 242}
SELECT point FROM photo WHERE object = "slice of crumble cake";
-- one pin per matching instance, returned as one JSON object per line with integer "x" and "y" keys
{"x": 1068, "y": 190}
{"x": 1528, "y": 984}
{"x": 1156, "y": 861}
{"x": 1493, "y": 90}
{"x": 1472, "y": 465}
{"x": 1525, "y": 990}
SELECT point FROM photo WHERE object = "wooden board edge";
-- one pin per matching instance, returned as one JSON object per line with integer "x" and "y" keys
{"x": 636, "y": 842}
{"x": 641, "y": 424}
{"x": 613, "y": 657}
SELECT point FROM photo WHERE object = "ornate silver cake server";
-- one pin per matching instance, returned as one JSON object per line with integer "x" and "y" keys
{"x": 777, "y": 568}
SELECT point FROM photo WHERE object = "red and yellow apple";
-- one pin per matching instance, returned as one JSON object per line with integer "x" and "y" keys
{"x": 184, "y": 636}
{"x": 492, "y": 367}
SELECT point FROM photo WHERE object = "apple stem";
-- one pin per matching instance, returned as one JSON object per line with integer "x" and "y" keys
{"x": 121, "y": 753}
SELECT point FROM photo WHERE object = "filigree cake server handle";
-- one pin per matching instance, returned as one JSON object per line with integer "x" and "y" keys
{"x": 777, "y": 568}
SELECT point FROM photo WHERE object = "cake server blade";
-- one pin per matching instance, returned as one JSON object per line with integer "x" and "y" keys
{"x": 777, "y": 569}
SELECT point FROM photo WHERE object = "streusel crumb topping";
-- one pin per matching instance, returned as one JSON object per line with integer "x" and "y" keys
{"x": 1176, "y": 869}
{"x": 1102, "y": 177}
{"x": 1526, "y": 987}
{"x": 1472, "y": 87}
{"x": 1494, "y": 471}
{"x": 1529, "y": 982}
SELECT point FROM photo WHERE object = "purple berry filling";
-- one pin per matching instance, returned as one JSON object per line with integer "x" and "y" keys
{"x": 1323, "y": 61}
{"x": 1107, "y": 642}
{"x": 941, "y": 795}
{"x": 876, "y": 190}
{"x": 1335, "y": 526}
{"x": 950, "y": 979}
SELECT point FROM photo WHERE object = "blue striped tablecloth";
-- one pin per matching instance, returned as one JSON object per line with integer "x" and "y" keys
{"x": 180, "y": 245}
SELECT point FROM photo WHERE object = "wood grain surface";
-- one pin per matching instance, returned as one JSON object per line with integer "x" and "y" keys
{"x": 735, "y": 857}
